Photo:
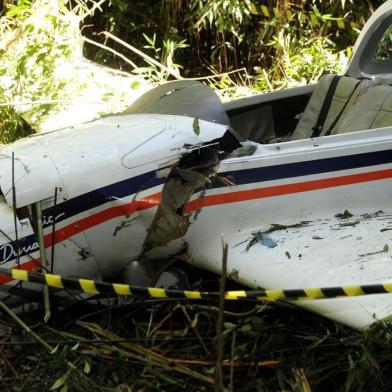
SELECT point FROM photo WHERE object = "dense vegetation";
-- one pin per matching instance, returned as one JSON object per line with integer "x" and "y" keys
{"x": 244, "y": 46}
{"x": 150, "y": 345}
{"x": 277, "y": 42}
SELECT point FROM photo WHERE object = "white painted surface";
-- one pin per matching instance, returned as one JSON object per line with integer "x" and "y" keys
{"x": 344, "y": 255}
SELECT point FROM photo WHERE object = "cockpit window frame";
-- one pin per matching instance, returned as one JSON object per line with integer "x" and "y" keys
{"x": 364, "y": 63}
{"x": 368, "y": 63}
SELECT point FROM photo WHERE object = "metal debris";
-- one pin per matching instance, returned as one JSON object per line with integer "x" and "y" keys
{"x": 171, "y": 222}
{"x": 124, "y": 223}
{"x": 345, "y": 215}
{"x": 261, "y": 238}
{"x": 385, "y": 249}
{"x": 372, "y": 214}
{"x": 351, "y": 223}
{"x": 234, "y": 274}
{"x": 278, "y": 227}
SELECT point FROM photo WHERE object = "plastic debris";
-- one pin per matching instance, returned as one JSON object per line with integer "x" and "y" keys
{"x": 261, "y": 238}
{"x": 267, "y": 241}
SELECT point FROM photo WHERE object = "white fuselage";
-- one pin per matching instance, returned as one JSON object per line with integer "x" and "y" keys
{"x": 109, "y": 175}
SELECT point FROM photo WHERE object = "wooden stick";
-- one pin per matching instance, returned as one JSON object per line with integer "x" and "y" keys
{"x": 53, "y": 231}
{"x": 51, "y": 350}
{"x": 219, "y": 328}
{"x": 44, "y": 261}
{"x": 226, "y": 363}
{"x": 25, "y": 327}
{"x": 102, "y": 46}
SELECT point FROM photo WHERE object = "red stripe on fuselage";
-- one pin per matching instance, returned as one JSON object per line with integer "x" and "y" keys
{"x": 280, "y": 190}
{"x": 207, "y": 201}
{"x": 100, "y": 217}
{"x": 85, "y": 224}
{"x": 224, "y": 198}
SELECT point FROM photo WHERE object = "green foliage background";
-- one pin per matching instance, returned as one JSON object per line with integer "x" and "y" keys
{"x": 223, "y": 35}
{"x": 248, "y": 46}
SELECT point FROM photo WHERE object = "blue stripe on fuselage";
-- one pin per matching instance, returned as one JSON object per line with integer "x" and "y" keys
{"x": 130, "y": 186}
{"x": 306, "y": 168}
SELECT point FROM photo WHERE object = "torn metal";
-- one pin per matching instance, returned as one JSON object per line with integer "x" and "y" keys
{"x": 193, "y": 172}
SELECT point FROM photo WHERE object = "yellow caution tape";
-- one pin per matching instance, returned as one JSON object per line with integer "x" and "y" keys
{"x": 95, "y": 287}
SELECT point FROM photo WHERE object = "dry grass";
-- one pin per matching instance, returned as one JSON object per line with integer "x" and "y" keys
{"x": 166, "y": 345}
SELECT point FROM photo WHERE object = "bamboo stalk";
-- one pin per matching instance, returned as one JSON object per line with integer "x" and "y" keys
{"x": 144, "y": 354}
{"x": 53, "y": 231}
{"x": 51, "y": 350}
{"x": 25, "y": 327}
{"x": 219, "y": 328}
{"x": 90, "y": 41}
{"x": 227, "y": 363}
{"x": 14, "y": 207}
{"x": 41, "y": 242}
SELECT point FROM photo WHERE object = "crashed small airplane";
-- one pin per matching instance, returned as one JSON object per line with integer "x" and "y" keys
{"x": 301, "y": 200}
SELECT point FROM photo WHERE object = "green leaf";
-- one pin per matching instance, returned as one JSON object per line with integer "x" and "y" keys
{"x": 196, "y": 126}
{"x": 54, "y": 350}
{"x": 230, "y": 326}
{"x": 246, "y": 328}
{"x": 135, "y": 85}
{"x": 64, "y": 388}
{"x": 210, "y": 370}
{"x": 87, "y": 367}
{"x": 59, "y": 382}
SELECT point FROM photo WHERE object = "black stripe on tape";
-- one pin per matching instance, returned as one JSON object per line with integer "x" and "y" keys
{"x": 175, "y": 293}
{"x": 374, "y": 289}
{"x": 333, "y": 292}
{"x": 105, "y": 288}
{"x": 71, "y": 284}
{"x": 294, "y": 293}
{"x": 36, "y": 278}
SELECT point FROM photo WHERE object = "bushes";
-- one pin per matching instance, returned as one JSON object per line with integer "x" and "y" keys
{"x": 42, "y": 70}
{"x": 265, "y": 37}
{"x": 264, "y": 45}
{"x": 39, "y": 42}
